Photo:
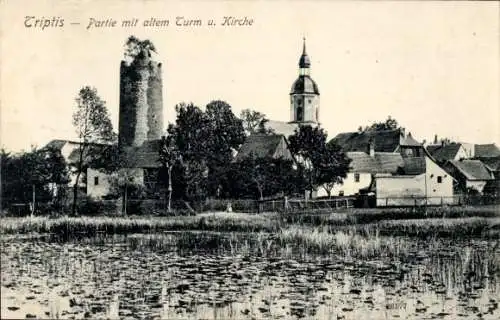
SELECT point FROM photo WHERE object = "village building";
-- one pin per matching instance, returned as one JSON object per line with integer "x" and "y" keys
{"x": 70, "y": 151}
{"x": 421, "y": 181}
{"x": 470, "y": 174}
{"x": 394, "y": 167}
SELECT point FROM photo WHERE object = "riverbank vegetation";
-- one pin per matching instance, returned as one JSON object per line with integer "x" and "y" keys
{"x": 467, "y": 222}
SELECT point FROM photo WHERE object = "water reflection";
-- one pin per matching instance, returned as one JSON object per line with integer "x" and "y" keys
{"x": 117, "y": 278}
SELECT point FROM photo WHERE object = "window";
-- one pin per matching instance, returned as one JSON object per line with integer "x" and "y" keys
{"x": 300, "y": 114}
{"x": 356, "y": 177}
{"x": 439, "y": 179}
{"x": 96, "y": 181}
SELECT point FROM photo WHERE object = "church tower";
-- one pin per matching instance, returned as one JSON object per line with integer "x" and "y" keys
{"x": 304, "y": 96}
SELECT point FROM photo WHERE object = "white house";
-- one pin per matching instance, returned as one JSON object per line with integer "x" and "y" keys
{"x": 424, "y": 182}
{"x": 393, "y": 166}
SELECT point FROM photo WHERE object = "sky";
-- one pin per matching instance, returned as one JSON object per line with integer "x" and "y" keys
{"x": 433, "y": 66}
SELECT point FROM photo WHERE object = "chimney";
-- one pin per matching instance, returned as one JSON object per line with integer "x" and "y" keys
{"x": 371, "y": 147}
{"x": 435, "y": 139}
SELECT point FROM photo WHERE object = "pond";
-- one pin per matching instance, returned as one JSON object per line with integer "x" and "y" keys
{"x": 120, "y": 277}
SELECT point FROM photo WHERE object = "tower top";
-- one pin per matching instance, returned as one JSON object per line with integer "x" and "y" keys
{"x": 304, "y": 61}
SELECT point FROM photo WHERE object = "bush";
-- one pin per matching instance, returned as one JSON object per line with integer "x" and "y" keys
{"x": 91, "y": 207}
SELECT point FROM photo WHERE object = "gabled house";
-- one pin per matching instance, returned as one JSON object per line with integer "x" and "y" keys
{"x": 363, "y": 167}
{"x": 420, "y": 181}
{"x": 371, "y": 153}
{"x": 70, "y": 152}
{"x": 393, "y": 166}
{"x": 470, "y": 174}
{"x": 141, "y": 163}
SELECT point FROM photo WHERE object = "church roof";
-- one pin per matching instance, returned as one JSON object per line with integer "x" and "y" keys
{"x": 304, "y": 84}
{"x": 280, "y": 127}
{"x": 264, "y": 145}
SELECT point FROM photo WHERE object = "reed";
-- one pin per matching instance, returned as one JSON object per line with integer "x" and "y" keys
{"x": 349, "y": 244}
{"x": 69, "y": 227}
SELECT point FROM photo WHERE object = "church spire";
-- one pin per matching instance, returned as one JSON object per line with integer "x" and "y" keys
{"x": 304, "y": 62}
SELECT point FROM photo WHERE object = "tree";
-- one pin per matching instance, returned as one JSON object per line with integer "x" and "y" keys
{"x": 262, "y": 176}
{"x": 38, "y": 175}
{"x": 321, "y": 164}
{"x": 136, "y": 49}
{"x": 93, "y": 127}
{"x": 123, "y": 182}
{"x": 225, "y": 135}
{"x": 388, "y": 124}
{"x": 254, "y": 122}
{"x": 190, "y": 136}
{"x": 334, "y": 166}
{"x": 169, "y": 157}
{"x": 206, "y": 142}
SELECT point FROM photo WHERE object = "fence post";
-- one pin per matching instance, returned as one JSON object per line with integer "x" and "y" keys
{"x": 285, "y": 204}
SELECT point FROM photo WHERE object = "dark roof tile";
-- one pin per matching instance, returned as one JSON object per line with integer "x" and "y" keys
{"x": 444, "y": 152}
{"x": 486, "y": 150}
{"x": 262, "y": 145}
{"x": 472, "y": 169}
{"x": 385, "y": 141}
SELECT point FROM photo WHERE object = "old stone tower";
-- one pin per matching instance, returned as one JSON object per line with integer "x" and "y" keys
{"x": 304, "y": 96}
{"x": 141, "y": 101}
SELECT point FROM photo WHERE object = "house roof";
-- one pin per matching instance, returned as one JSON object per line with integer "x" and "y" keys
{"x": 472, "y": 169}
{"x": 486, "y": 150}
{"x": 444, "y": 152}
{"x": 94, "y": 149}
{"x": 56, "y": 144}
{"x": 492, "y": 163}
{"x": 145, "y": 156}
{"x": 280, "y": 127}
{"x": 409, "y": 141}
{"x": 385, "y": 141}
{"x": 381, "y": 162}
{"x": 260, "y": 145}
